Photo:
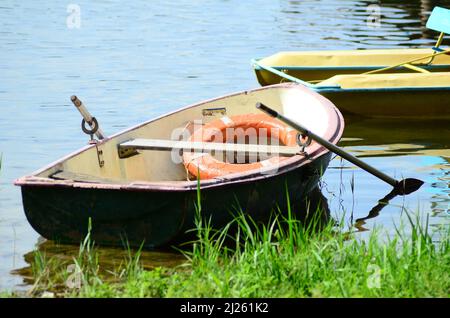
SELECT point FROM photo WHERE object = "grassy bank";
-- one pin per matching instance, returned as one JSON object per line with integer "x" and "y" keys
{"x": 284, "y": 259}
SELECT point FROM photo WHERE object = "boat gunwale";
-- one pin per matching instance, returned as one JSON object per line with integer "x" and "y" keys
{"x": 352, "y": 67}
{"x": 255, "y": 61}
{"x": 327, "y": 89}
{"x": 290, "y": 164}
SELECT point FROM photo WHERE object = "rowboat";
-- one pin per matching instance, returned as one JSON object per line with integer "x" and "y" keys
{"x": 131, "y": 187}
{"x": 375, "y": 83}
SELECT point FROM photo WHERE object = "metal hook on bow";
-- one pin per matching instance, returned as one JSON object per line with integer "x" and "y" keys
{"x": 89, "y": 119}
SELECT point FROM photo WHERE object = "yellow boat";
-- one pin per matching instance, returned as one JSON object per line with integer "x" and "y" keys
{"x": 374, "y": 83}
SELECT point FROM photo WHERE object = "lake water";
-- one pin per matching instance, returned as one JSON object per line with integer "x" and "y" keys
{"x": 132, "y": 61}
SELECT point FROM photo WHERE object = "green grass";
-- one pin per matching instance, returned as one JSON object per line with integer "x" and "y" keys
{"x": 326, "y": 265}
{"x": 282, "y": 259}
{"x": 5, "y": 294}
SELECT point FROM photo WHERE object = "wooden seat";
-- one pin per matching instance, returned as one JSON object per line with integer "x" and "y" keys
{"x": 129, "y": 148}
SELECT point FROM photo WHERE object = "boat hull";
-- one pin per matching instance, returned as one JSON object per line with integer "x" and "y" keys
{"x": 414, "y": 103}
{"x": 159, "y": 218}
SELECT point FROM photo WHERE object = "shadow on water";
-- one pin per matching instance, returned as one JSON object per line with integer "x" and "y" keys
{"x": 421, "y": 135}
{"x": 375, "y": 211}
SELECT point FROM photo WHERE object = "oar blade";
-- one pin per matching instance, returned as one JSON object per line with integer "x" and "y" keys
{"x": 408, "y": 185}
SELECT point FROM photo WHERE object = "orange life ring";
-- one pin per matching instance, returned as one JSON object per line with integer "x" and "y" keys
{"x": 205, "y": 166}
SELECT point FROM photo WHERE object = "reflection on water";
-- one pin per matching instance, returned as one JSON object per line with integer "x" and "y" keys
{"x": 343, "y": 24}
{"x": 375, "y": 211}
{"x": 417, "y": 149}
{"x": 134, "y": 62}
{"x": 110, "y": 259}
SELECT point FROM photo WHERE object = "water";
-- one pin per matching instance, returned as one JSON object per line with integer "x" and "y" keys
{"x": 131, "y": 62}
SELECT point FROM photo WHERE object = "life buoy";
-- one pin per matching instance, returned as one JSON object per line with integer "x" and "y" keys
{"x": 205, "y": 166}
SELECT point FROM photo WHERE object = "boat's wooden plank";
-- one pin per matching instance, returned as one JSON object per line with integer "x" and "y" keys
{"x": 390, "y": 80}
{"x": 81, "y": 177}
{"x": 161, "y": 144}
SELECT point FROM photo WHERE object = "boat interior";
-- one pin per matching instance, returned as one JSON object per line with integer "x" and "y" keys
{"x": 388, "y": 80}
{"x": 108, "y": 162}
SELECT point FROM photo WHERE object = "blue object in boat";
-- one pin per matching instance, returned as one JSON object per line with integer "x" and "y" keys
{"x": 439, "y": 20}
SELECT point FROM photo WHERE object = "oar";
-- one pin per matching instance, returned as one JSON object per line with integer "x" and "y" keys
{"x": 433, "y": 55}
{"x": 402, "y": 187}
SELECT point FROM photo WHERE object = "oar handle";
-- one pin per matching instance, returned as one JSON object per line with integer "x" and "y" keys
{"x": 89, "y": 119}
{"x": 329, "y": 145}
